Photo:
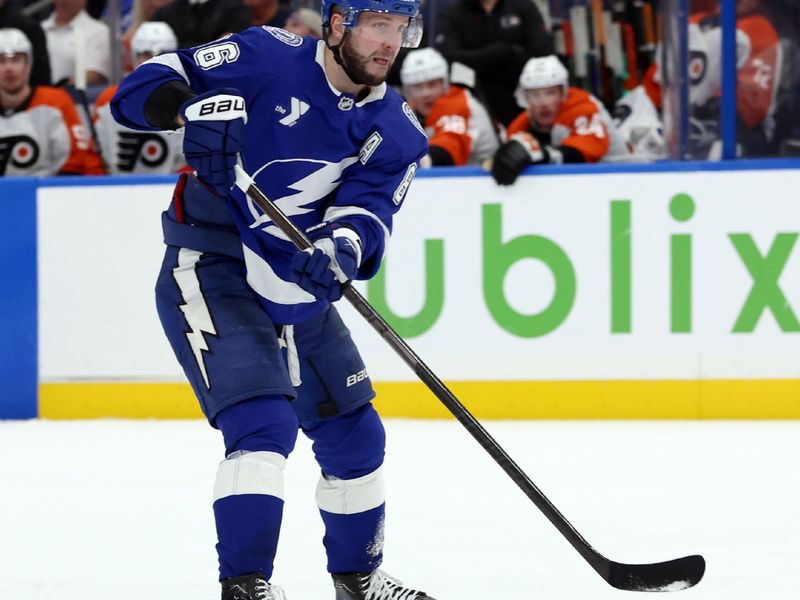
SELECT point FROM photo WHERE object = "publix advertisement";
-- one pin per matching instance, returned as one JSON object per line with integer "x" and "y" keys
{"x": 669, "y": 276}
{"x": 667, "y": 294}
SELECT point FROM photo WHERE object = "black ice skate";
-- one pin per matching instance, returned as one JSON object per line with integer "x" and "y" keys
{"x": 373, "y": 586}
{"x": 250, "y": 587}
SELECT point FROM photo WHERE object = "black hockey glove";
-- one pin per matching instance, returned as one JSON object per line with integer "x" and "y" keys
{"x": 214, "y": 136}
{"x": 520, "y": 151}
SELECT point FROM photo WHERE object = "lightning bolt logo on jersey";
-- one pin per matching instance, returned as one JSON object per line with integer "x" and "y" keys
{"x": 302, "y": 149}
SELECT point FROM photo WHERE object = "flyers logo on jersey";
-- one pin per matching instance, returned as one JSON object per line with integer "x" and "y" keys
{"x": 133, "y": 147}
{"x": 21, "y": 150}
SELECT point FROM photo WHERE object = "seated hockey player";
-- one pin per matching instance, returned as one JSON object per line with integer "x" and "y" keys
{"x": 459, "y": 129}
{"x": 40, "y": 131}
{"x": 639, "y": 123}
{"x": 561, "y": 124}
{"x": 250, "y": 318}
{"x": 765, "y": 85}
{"x": 126, "y": 150}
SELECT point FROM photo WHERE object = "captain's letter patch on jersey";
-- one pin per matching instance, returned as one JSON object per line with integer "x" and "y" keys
{"x": 369, "y": 147}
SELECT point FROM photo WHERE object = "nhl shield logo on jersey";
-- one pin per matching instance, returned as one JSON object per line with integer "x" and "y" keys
{"x": 287, "y": 37}
{"x": 21, "y": 150}
{"x": 346, "y": 103}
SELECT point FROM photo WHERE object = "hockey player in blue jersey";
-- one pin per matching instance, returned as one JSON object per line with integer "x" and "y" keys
{"x": 250, "y": 318}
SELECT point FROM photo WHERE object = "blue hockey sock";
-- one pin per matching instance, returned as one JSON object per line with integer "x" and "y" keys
{"x": 248, "y": 494}
{"x": 354, "y": 542}
{"x": 350, "y": 493}
{"x": 247, "y": 529}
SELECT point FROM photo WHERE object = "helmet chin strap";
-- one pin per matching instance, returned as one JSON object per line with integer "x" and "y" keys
{"x": 337, "y": 56}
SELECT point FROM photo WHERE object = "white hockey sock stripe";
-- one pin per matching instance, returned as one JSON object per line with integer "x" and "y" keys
{"x": 250, "y": 473}
{"x": 351, "y": 496}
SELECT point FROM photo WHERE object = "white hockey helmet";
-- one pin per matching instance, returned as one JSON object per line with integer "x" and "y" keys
{"x": 13, "y": 41}
{"x": 154, "y": 37}
{"x": 542, "y": 72}
{"x": 425, "y": 64}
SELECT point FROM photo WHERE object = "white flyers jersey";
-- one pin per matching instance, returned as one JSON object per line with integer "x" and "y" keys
{"x": 34, "y": 139}
{"x": 639, "y": 124}
{"x": 127, "y": 151}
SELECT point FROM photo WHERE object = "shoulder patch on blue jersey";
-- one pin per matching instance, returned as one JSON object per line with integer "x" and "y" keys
{"x": 287, "y": 37}
{"x": 413, "y": 118}
{"x": 215, "y": 55}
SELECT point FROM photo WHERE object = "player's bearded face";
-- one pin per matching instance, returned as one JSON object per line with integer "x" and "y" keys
{"x": 14, "y": 71}
{"x": 373, "y": 46}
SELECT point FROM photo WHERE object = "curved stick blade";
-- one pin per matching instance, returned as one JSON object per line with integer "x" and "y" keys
{"x": 669, "y": 576}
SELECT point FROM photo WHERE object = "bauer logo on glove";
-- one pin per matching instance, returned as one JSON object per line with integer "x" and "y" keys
{"x": 214, "y": 136}
{"x": 220, "y": 107}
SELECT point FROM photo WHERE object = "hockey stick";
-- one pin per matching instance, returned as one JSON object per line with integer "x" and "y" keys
{"x": 672, "y": 575}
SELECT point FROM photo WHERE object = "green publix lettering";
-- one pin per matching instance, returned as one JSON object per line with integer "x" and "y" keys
{"x": 499, "y": 256}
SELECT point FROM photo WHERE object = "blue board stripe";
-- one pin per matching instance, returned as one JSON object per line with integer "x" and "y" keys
{"x": 18, "y": 300}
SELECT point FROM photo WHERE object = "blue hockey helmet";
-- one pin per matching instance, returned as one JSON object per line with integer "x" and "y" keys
{"x": 352, "y": 8}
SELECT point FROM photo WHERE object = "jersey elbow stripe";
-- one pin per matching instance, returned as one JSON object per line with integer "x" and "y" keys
{"x": 172, "y": 61}
{"x": 251, "y": 473}
{"x": 351, "y": 496}
{"x": 335, "y": 213}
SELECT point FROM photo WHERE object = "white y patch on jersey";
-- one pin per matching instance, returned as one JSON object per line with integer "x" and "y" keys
{"x": 287, "y": 37}
{"x": 369, "y": 147}
{"x": 298, "y": 109}
{"x": 215, "y": 55}
{"x": 401, "y": 190}
{"x": 311, "y": 188}
{"x": 413, "y": 118}
{"x": 195, "y": 309}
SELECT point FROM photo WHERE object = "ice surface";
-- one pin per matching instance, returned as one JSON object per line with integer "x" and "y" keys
{"x": 121, "y": 509}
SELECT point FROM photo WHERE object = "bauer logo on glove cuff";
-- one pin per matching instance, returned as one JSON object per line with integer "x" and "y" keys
{"x": 222, "y": 107}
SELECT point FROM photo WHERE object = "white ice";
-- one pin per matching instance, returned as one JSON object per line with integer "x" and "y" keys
{"x": 121, "y": 509}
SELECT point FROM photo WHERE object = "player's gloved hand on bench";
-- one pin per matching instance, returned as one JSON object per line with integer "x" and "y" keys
{"x": 214, "y": 135}
{"x": 512, "y": 157}
{"x": 334, "y": 260}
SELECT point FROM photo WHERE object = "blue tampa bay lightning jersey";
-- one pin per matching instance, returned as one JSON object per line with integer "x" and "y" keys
{"x": 321, "y": 155}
